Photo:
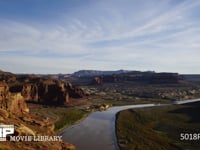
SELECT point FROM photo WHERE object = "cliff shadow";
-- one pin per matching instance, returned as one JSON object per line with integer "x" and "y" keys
{"x": 192, "y": 110}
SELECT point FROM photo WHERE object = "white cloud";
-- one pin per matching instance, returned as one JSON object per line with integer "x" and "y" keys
{"x": 106, "y": 35}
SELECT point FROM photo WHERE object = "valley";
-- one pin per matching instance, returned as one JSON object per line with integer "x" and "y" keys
{"x": 158, "y": 127}
{"x": 48, "y": 104}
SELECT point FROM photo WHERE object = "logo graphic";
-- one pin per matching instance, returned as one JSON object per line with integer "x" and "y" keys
{"x": 9, "y": 129}
{"x": 5, "y": 130}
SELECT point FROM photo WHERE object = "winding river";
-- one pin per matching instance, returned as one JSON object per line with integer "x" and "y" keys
{"x": 97, "y": 131}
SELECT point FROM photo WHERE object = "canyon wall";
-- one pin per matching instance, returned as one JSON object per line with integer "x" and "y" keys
{"x": 12, "y": 102}
{"x": 16, "y": 90}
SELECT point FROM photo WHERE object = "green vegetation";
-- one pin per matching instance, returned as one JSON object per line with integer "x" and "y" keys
{"x": 158, "y": 128}
{"x": 61, "y": 117}
{"x": 68, "y": 117}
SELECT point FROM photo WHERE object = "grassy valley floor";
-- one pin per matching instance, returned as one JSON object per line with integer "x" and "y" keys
{"x": 61, "y": 117}
{"x": 158, "y": 128}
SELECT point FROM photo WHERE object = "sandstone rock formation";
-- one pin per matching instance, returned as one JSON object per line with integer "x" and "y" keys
{"x": 48, "y": 92}
{"x": 16, "y": 103}
{"x": 3, "y": 114}
{"x": 23, "y": 130}
{"x": 12, "y": 102}
{"x": 15, "y": 90}
{"x": 4, "y": 90}
{"x": 41, "y": 89}
{"x": 73, "y": 91}
{"x": 52, "y": 92}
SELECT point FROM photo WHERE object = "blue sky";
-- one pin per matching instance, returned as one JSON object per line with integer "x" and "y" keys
{"x": 63, "y": 36}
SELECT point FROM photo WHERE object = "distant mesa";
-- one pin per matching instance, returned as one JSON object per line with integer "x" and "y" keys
{"x": 137, "y": 76}
{"x": 83, "y": 73}
{"x": 166, "y": 78}
{"x": 97, "y": 77}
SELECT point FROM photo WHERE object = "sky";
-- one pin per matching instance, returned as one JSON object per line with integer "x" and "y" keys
{"x": 63, "y": 36}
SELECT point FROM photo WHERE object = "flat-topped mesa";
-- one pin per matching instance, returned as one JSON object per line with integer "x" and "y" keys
{"x": 12, "y": 101}
{"x": 163, "y": 78}
{"x": 142, "y": 77}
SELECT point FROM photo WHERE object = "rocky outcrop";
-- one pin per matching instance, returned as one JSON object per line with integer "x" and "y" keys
{"x": 73, "y": 91}
{"x": 22, "y": 130}
{"x": 51, "y": 92}
{"x": 28, "y": 91}
{"x": 15, "y": 90}
{"x": 16, "y": 103}
{"x": 4, "y": 91}
{"x": 12, "y": 101}
{"x": 3, "y": 114}
{"x": 48, "y": 91}
{"x": 39, "y": 89}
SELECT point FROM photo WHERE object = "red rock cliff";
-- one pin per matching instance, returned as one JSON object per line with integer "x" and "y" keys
{"x": 12, "y": 102}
